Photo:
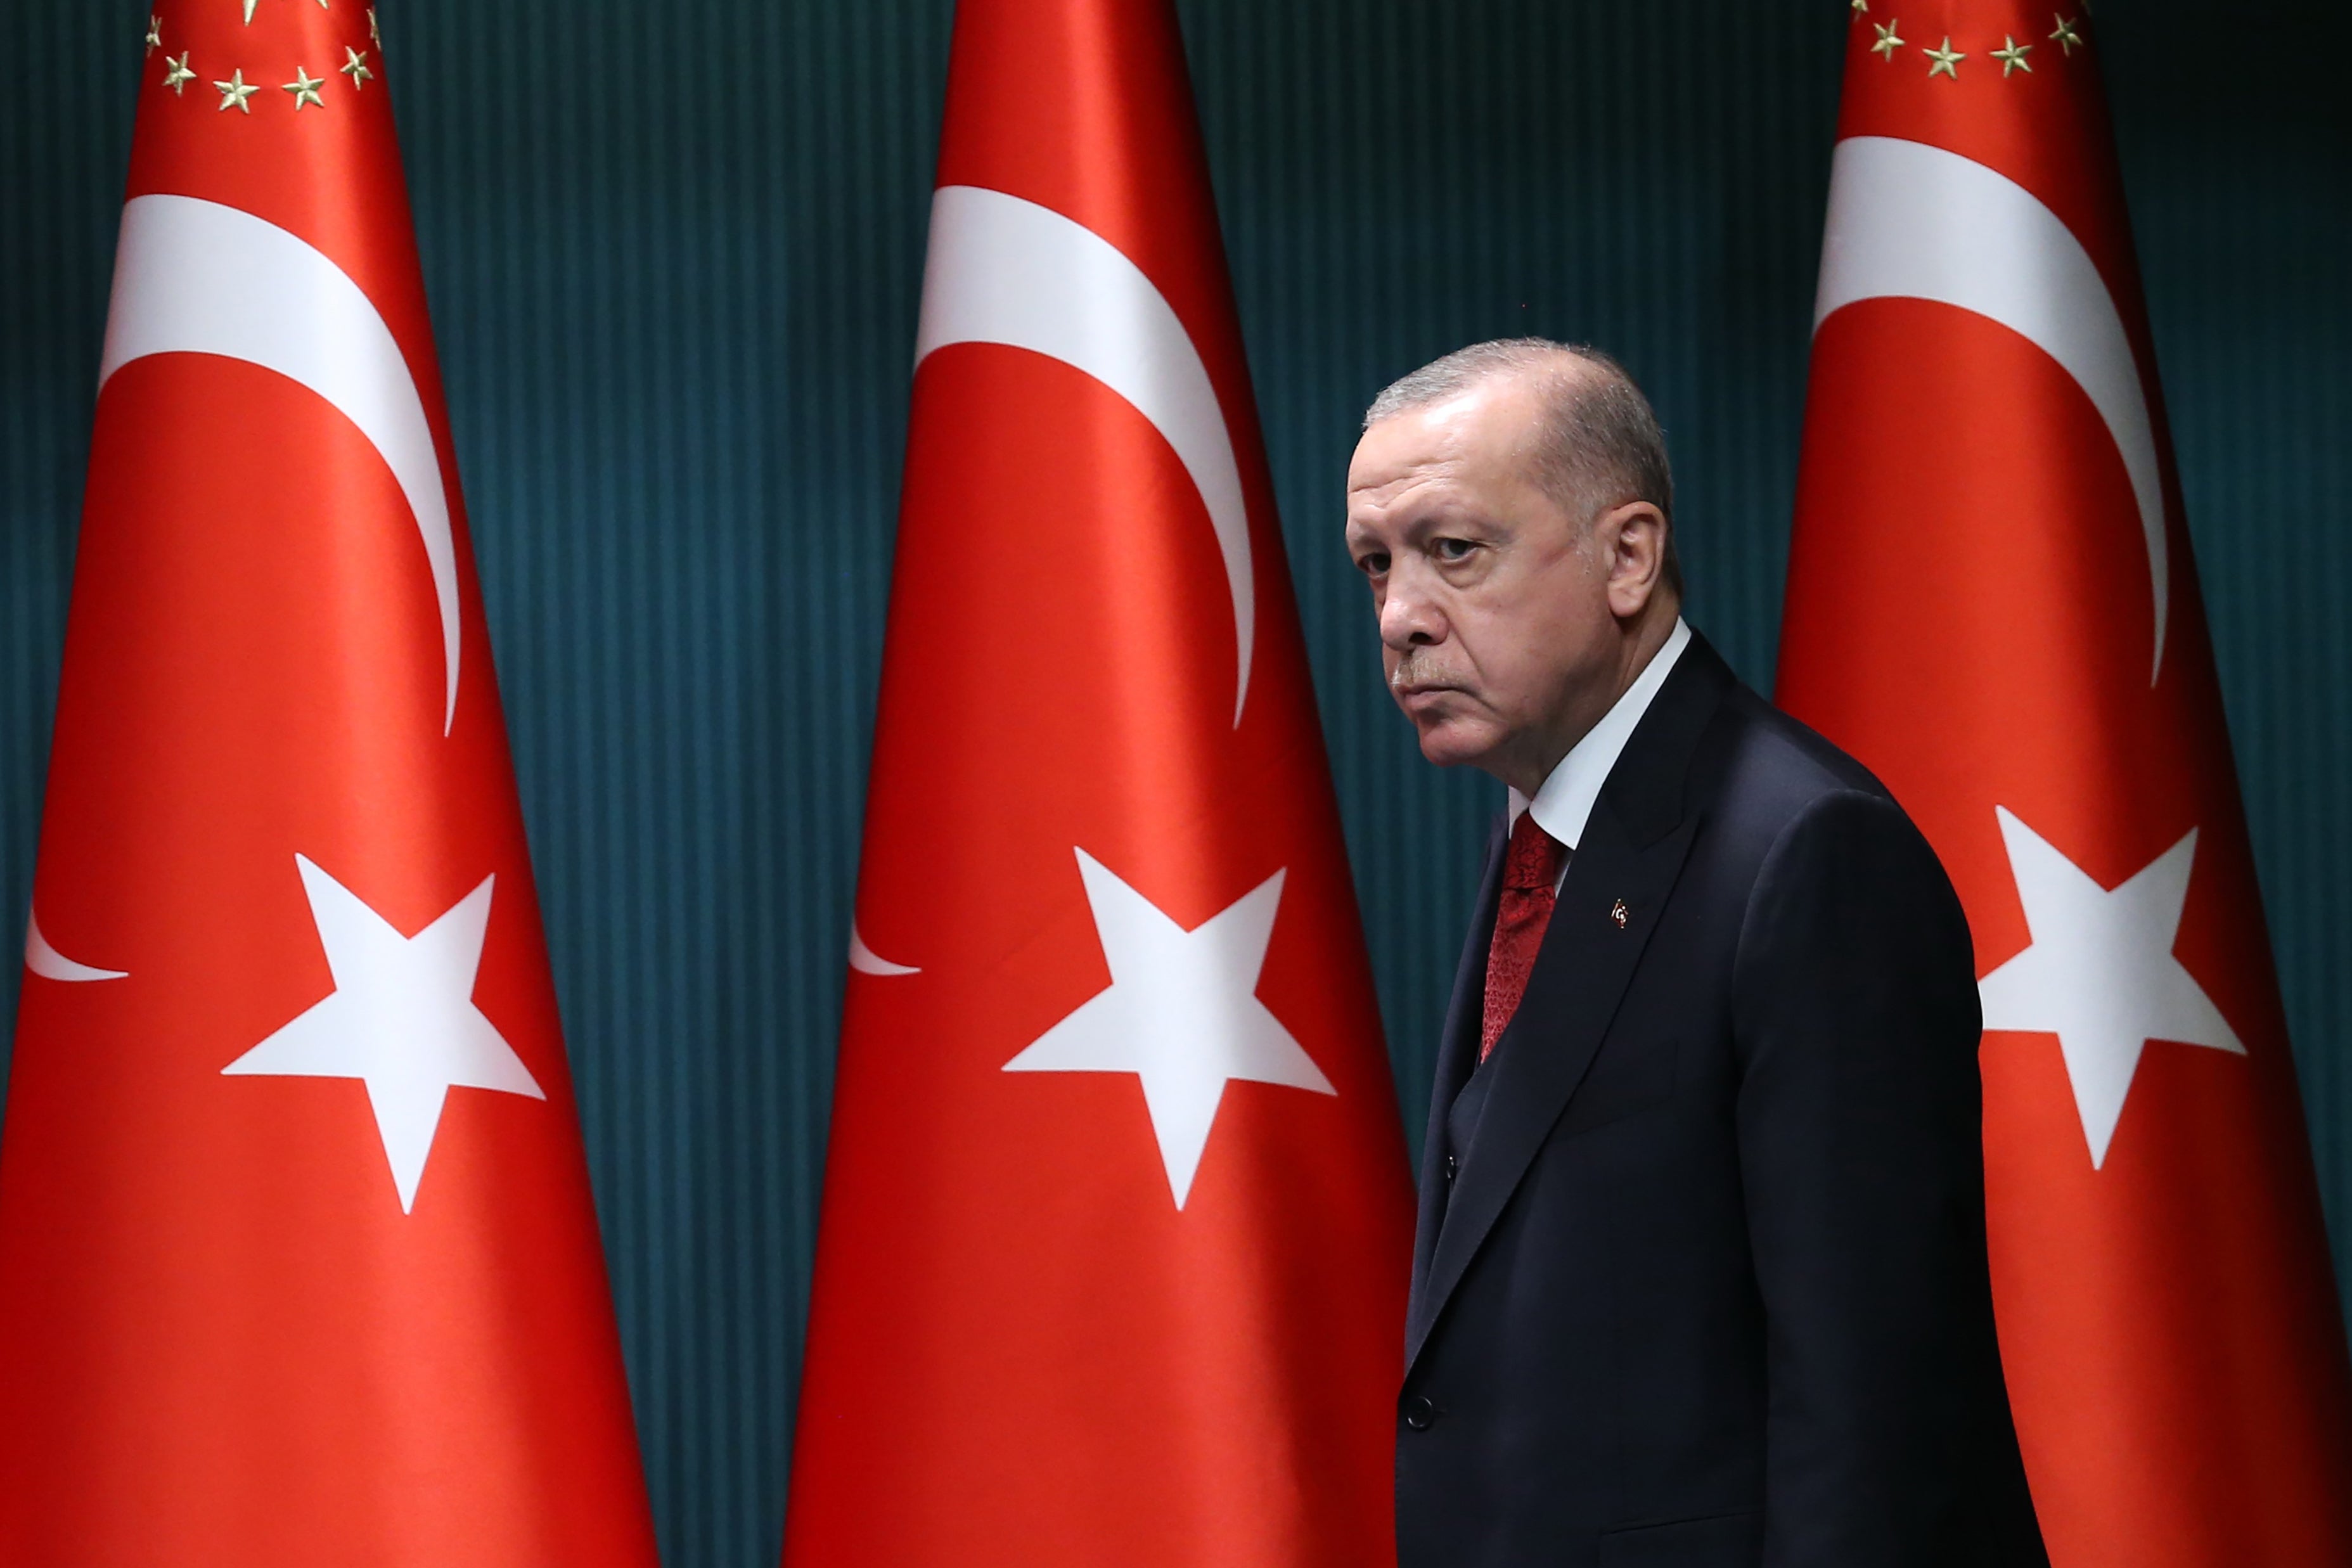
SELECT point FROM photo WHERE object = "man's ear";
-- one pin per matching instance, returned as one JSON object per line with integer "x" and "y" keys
{"x": 1636, "y": 537}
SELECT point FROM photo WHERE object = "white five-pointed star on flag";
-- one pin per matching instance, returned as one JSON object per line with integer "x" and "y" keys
{"x": 2100, "y": 974}
{"x": 400, "y": 1019}
{"x": 1182, "y": 1014}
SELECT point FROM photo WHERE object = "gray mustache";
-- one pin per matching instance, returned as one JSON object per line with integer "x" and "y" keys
{"x": 1414, "y": 669}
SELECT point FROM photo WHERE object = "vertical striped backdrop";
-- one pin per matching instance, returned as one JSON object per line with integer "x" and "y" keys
{"x": 674, "y": 253}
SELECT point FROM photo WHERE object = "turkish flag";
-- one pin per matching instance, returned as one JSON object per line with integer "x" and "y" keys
{"x": 298, "y": 1262}
{"x": 1992, "y": 602}
{"x": 1117, "y": 1223}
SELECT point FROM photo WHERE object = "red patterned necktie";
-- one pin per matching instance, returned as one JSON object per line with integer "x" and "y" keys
{"x": 1530, "y": 873}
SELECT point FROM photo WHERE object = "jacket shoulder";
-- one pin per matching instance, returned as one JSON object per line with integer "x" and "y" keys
{"x": 1787, "y": 814}
{"x": 1771, "y": 764}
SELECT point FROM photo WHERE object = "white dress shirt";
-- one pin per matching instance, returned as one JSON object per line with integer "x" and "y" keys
{"x": 1563, "y": 804}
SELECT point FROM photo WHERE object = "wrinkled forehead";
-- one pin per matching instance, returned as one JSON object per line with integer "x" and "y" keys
{"x": 1478, "y": 440}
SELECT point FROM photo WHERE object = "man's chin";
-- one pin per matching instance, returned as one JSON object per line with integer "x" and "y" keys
{"x": 1457, "y": 745}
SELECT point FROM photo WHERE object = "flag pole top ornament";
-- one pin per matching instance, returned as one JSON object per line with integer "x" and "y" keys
{"x": 1008, "y": 272}
{"x": 1909, "y": 219}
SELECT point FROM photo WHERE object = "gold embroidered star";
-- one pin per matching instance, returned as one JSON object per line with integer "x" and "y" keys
{"x": 1862, "y": 7}
{"x": 249, "y": 13}
{"x": 373, "y": 37}
{"x": 2011, "y": 57}
{"x": 355, "y": 66}
{"x": 1887, "y": 41}
{"x": 2066, "y": 38}
{"x": 154, "y": 34}
{"x": 176, "y": 74}
{"x": 1947, "y": 60}
{"x": 305, "y": 89}
{"x": 236, "y": 90}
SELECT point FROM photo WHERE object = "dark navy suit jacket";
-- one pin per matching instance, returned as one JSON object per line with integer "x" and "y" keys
{"x": 1700, "y": 1275}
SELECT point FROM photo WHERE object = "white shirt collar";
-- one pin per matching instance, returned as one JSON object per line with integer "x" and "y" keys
{"x": 1564, "y": 803}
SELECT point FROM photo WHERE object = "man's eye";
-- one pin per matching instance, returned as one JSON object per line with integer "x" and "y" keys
{"x": 1373, "y": 565}
{"x": 1453, "y": 549}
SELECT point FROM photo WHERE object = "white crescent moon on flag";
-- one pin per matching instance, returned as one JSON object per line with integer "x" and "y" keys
{"x": 865, "y": 960}
{"x": 1004, "y": 270}
{"x": 51, "y": 964}
{"x": 1908, "y": 220}
{"x": 196, "y": 277}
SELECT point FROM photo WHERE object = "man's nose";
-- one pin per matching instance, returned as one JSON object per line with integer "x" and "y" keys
{"x": 1409, "y": 617}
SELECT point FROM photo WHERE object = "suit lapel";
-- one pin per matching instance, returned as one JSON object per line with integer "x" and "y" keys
{"x": 1631, "y": 853}
{"x": 1457, "y": 1052}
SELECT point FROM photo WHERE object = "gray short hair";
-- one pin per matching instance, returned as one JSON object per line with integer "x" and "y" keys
{"x": 1600, "y": 444}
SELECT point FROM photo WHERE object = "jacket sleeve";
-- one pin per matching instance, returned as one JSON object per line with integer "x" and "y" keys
{"x": 1856, "y": 1025}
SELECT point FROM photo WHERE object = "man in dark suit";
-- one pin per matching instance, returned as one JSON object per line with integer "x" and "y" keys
{"x": 1700, "y": 1276}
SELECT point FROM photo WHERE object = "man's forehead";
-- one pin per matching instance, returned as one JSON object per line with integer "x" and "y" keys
{"x": 1481, "y": 429}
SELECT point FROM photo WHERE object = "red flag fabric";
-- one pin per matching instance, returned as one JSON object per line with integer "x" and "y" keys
{"x": 1992, "y": 602}
{"x": 298, "y": 1262}
{"x": 1116, "y": 1223}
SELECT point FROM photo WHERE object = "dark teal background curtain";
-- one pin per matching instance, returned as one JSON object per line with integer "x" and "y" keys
{"x": 674, "y": 253}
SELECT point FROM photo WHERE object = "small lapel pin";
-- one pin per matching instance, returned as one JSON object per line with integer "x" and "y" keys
{"x": 1617, "y": 912}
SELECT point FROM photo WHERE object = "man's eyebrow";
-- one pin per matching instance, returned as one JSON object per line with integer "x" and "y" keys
{"x": 1439, "y": 517}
